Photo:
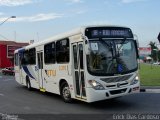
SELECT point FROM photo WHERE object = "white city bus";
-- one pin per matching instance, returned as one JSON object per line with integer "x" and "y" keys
{"x": 91, "y": 63}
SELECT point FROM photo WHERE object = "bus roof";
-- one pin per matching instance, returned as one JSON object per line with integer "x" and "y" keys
{"x": 79, "y": 30}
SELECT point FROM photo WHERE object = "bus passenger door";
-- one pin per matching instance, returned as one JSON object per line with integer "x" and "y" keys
{"x": 40, "y": 70}
{"x": 78, "y": 64}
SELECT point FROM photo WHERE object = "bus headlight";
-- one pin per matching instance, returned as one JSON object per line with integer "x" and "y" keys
{"x": 135, "y": 80}
{"x": 96, "y": 85}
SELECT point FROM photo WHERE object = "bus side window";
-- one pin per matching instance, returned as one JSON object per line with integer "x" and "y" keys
{"x": 25, "y": 58}
{"x": 32, "y": 56}
{"x": 62, "y": 51}
{"x": 49, "y": 53}
{"x": 23, "y": 61}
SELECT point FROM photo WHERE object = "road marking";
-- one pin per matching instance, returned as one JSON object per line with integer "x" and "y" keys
{"x": 153, "y": 90}
{"x": 7, "y": 80}
{"x": 27, "y": 108}
{"x": 9, "y": 117}
{"x": 1, "y": 94}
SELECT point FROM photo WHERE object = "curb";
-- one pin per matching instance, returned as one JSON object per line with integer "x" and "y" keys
{"x": 150, "y": 89}
{"x": 143, "y": 90}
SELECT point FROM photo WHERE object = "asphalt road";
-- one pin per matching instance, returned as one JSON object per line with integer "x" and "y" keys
{"x": 16, "y": 99}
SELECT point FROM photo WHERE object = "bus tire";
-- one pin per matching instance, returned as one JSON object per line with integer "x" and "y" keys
{"x": 65, "y": 92}
{"x": 28, "y": 84}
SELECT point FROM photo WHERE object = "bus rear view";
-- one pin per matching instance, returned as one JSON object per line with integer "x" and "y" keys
{"x": 111, "y": 60}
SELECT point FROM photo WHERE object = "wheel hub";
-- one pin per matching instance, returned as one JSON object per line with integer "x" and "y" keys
{"x": 66, "y": 92}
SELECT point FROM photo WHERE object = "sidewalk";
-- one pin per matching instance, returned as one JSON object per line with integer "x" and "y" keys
{"x": 150, "y": 89}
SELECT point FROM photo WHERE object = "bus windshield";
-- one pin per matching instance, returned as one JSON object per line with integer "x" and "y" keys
{"x": 112, "y": 56}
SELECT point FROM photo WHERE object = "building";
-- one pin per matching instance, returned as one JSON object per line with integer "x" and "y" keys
{"x": 7, "y": 52}
{"x": 144, "y": 53}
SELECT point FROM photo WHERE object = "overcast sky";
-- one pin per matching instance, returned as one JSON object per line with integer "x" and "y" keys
{"x": 40, "y": 19}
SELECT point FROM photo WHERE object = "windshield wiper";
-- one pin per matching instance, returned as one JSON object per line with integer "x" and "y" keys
{"x": 109, "y": 46}
{"x": 118, "y": 48}
{"x": 122, "y": 43}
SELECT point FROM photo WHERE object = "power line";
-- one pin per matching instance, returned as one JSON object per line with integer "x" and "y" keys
{"x": 4, "y": 37}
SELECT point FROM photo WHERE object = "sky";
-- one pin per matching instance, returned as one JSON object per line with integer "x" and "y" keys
{"x": 40, "y": 19}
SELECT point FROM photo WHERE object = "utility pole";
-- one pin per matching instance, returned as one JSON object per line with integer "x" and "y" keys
{"x": 7, "y": 19}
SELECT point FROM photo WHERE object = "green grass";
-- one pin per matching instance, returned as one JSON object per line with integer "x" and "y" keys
{"x": 149, "y": 75}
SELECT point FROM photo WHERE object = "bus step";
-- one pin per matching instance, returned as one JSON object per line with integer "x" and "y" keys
{"x": 42, "y": 90}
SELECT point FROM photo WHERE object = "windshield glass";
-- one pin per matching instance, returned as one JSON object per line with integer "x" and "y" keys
{"x": 109, "y": 57}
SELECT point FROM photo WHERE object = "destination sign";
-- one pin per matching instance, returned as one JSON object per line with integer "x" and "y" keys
{"x": 105, "y": 32}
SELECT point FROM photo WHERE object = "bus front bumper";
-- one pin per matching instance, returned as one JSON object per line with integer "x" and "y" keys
{"x": 97, "y": 95}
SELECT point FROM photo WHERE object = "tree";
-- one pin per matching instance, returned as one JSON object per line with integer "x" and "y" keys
{"x": 154, "y": 51}
{"x": 159, "y": 55}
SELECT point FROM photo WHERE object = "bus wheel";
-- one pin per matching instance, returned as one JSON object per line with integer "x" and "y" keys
{"x": 28, "y": 84}
{"x": 65, "y": 93}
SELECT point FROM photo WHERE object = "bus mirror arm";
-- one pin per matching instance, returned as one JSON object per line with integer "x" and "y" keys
{"x": 87, "y": 47}
{"x": 136, "y": 46}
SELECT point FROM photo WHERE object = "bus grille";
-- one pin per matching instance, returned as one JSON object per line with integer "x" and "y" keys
{"x": 116, "y": 79}
{"x": 114, "y": 92}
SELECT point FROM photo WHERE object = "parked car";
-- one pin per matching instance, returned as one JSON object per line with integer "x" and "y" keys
{"x": 8, "y": 71}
